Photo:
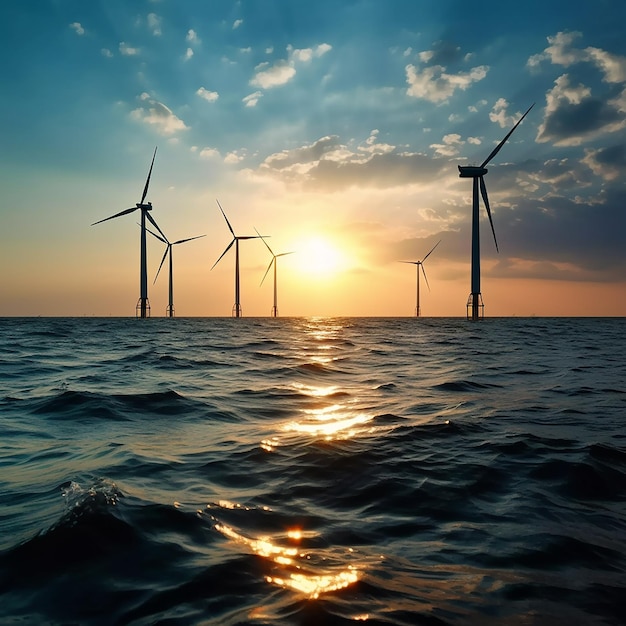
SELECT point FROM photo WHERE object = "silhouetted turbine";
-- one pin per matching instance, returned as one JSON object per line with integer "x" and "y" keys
{"x": 477, "y": 173}
{"x": 236, "y": 239}
{"x": 419, "y": 264}
{"x": 143, "y": 305}
{"x": 275, "y": 263}
{"x": 169, "y": 312}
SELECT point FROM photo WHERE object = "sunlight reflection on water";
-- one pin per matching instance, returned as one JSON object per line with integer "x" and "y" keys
{"x": 289, "y": 558}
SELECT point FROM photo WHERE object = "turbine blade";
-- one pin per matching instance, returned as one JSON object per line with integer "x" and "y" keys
{"x": 151, "y": 219}
{"x": 247, "y": 237}
{"x": 124, "y": 212}
{"x": 165, "y": 241}
{"x": 411, "y": 262}
{"x": 483, "y": 191}
{"x": 284, "y": 254}
{"x": 265, "y": 242}
{"x": 167, "y": 249}
{"x": 230, "y": 245}
{"x": 268, "y": 269}
{"x": 188, "y": 239}
{"x": 426, "y": 279}
{"x": 497, "y": 148}
{"x": 431, "y": 251}
{"x": 224, "y": 214}
{"x": 145, "y": 189}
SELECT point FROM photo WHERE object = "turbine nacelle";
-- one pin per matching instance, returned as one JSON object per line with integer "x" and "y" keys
{"x": 146, "y": 206}
{"x": 471, "y": 171}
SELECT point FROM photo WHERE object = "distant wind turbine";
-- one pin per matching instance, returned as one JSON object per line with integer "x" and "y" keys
{"x": 475, "y": 306}
{"x": 275, "y": 263}
{"x": 143, "y": 305}
{"x": 419, "y": 264}
{"x": 236, "y": 239}
{"x": 169, "y": 312}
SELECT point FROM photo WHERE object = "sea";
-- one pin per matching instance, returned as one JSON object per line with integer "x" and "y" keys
{"x": 312, "y": 471}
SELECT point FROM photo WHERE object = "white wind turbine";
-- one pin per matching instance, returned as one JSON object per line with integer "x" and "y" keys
{"x": 419, "y": 264}
{"x": 169, "y": 312}
{"x": 236, "y": 239}
{"x": 275, "y": 263}
{"x": 143, "y": 305}
{"x": 475, "y": 306}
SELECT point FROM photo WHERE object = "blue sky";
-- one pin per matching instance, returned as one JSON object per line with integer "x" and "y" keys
{"x": 335, "y": 122}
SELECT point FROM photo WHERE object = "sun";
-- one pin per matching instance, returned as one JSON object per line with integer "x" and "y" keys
{"x": 319, "y": 257}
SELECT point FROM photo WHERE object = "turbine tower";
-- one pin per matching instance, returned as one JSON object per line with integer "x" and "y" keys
{"x": 475, "y": 306}
{"x": 419, "y": 264}
{"x": 169, "y": 312}
{"x": 275, "y": 263}
{"x": 236, "y": 239}
{"x": 143, "y": 305}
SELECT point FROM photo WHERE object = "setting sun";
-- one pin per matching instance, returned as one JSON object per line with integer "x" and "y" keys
{"x": 319, "y": 257}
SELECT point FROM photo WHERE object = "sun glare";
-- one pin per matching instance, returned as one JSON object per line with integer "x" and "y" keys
{"x": 319, "y": 257}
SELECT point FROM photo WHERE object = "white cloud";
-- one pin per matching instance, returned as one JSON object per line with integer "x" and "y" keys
{"x": 237, "y": 24}
{"x": 435, "y": 85}
{"x": 252, "y": 99}
{"x": 267, "y": 77}
{"x": 127, "y": 50}
{"x": 106, "y": 53}
{"x": 192, "y": 37}
{"x": 155, "y": 113}
{"x": 209, "y": 153}
{"x": 450, "y": 145}
{"x": 188, "y": 54}
{"x": 498, "y": 114}
{"x": 283, "y": 71}
{"x": 77, "y": 27}
{"x": 233, "y": 157}
{"x": 561, "y": 51}
{"x": 209, "y": 96}
{"x": 154, "y": 24}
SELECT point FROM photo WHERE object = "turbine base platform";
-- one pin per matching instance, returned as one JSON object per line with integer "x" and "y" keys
{"x": 143, "y": 308}
{"x": 236, "y": 312}
{"x": 475, "y": 307}
{"x": 169, "y": 312}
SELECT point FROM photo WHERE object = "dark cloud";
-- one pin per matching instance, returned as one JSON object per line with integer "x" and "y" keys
{"x": 574, "y": 122}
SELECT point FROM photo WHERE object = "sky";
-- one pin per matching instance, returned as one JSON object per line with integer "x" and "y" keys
{"x": 332, "y": 128}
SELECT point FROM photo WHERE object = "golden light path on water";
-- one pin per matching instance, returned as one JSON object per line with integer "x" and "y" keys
{"x": 291, "y": 559}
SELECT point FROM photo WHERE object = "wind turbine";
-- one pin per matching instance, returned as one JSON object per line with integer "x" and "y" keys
{"x": 143, "y": 305}
{"x": 417, "y": 267}
{"x": 475, "y": 306}
{"x": 236, "y": 239}
{"x": 275, "y": 263}
{"x": 169, "y": 312}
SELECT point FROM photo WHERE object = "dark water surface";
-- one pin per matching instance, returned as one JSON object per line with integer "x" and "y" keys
{"x": 312, "y": 471}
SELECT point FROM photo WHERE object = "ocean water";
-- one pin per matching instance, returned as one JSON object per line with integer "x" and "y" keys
{"x": 312, "y": 471}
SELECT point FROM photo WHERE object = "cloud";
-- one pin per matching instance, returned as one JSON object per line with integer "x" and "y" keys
{"x": 271, "y": 76}
{"x": 154, "y": 24}
{"x": 449, "y": 147}
{"x": 436, "y": 85}
{"x": 609, "y": 163}
{"x": 209, "y": 153}
{"x": 329, "y": 165}
{"x": 237, "y": 24}
{"x": 192, "y": 37}
{"x": 498, "y": 114}
{"x": 188, "y": 54}
{"x": 574, "y": 116}
{"x": 77, "y": 27}
{"x": 268, "y": 76}
{"x": 156, "y": 114}
{"x": 209, "y": 96}
{"x": 561, "y": 51}
{"x": 252, "y": 99}
{"x": 127, "y": 50}
{"x": 106, "y": 53}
